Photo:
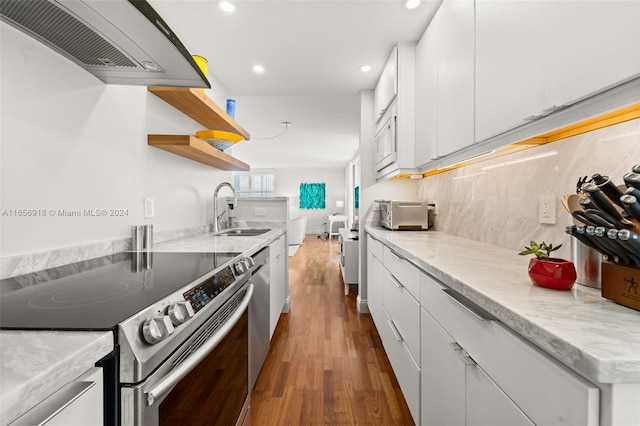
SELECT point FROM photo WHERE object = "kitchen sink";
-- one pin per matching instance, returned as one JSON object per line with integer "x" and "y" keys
{"x": 243, "y": 232}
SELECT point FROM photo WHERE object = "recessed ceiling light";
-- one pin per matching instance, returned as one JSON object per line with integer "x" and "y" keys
{"x": 258, "y": 69}
{"x": 365, "y": 68}
{"x": 411, "y": 4}
{"x": 227, "y": 6}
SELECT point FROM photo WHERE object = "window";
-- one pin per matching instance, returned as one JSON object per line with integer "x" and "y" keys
{"x": 312, "y": 195}
{"x": 254, "y": 184}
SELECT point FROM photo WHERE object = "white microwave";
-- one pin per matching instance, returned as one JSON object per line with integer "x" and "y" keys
{"x": 385, "y": 141}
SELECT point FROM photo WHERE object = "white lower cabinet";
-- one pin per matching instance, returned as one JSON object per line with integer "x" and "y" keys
{"x": 404, "y": 366}
{"x": 79, "y": 403}
{"x": 442, "y": 377}
{"x": 375, "y": 274}
{"x": 277, "y": 281}
{"x": 527, "y": 386}
{"x": 458, "y": 365}
{"x": 400, "y": 332}
{"x": 455, "y": 390}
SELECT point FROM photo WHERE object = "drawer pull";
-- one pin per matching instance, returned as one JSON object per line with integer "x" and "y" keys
{"x": 396, "y": 254}
{"x": 395, "y": 281}
{"x": 455, "y": 346}
{"x": 395, "y": 331}
{"x": 53, "y": 405}
{"x": 474, "y": 310}
{"x": 468, "y": 360}
{"x": 401, "y": 257}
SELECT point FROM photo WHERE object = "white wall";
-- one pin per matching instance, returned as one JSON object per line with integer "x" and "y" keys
{"x": 71, "y": 142}
{"x": 287, "y": 183}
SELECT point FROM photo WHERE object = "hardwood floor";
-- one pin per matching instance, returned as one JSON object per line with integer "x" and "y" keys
{"x": 326, "y": 365}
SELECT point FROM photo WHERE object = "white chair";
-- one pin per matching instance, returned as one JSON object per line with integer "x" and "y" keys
{"x": 296, "y": 231}
{"x": 336, "y": 218}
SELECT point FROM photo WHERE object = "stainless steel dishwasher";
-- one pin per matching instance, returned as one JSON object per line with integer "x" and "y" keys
{"x": 259, "y": 341}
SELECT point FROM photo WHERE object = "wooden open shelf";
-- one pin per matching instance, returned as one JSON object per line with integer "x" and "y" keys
{"x": 198, "y": 106}
{"x": 195, "y": 149}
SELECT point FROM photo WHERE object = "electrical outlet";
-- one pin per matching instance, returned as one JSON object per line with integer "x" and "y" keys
{"x": 259, "y": 211}
{"x": 149, "y": 208}
{"x": 547, "y": 209}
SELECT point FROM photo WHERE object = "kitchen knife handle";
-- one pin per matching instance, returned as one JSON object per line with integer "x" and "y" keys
{"x": 608, "y": 188}
{"x": 600, "y": 201}
{"x": 584, "y": 239}
{"x": 632, "y": 180}
{"x": 632, "y": 205}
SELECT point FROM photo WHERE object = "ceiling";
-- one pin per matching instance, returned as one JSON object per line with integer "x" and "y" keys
{"x": 312, "y": 51}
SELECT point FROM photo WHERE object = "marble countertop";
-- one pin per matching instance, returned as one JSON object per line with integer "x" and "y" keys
{"x": 35, "y": 364}
{"x": 204, "y": 243}
{"x": 593, "y": 336}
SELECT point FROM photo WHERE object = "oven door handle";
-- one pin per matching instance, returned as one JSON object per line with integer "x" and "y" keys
{"x": 165, "y": 386}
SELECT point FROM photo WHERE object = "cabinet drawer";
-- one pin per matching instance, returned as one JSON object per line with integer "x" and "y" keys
{"x": 407, "y": 274}
{"x": 545, "y": 391}
{"x": 404, "y": 367}
{"x": 276, "y": 247}
{"x": 404, "y": 310}
{"x": 375, "y": 247}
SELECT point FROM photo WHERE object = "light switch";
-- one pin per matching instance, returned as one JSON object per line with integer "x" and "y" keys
{"x": 149, "y": 208}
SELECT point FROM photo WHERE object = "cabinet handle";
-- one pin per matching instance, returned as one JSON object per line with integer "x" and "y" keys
{"x": 396, "y": 254}
{"x": 395, "y": 281}
{"x": 469, "y": 306}
{"x": 552, "y": 109}
{"x": 395, "y": 331}
{"x": 455, "y": 346}
{"x": 468, "y": 360}
{"x": 50, "y": 407}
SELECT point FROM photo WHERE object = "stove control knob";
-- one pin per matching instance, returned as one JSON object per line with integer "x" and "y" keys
{"x": 240, "y": 267}
{"x": 156, "y": 329}
{"x": 180, "y": 312}
{"x": 250, "y": 262}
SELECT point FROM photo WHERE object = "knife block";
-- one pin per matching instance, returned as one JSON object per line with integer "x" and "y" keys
{"x": 621, "y": 284}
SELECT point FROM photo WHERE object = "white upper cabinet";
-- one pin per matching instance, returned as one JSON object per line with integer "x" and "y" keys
{"x": 427, "y": 95}
{"x": 387, "y": 87}
{"x": 589, "y": 45}
{"x": 445, "y": 82}
{"x": 456, "y": 49}
{"x": 535, "y": 57}
{"x": 509, "y": 64}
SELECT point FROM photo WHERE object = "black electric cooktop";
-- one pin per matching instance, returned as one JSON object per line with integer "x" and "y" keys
{"x": 100, "y": 293}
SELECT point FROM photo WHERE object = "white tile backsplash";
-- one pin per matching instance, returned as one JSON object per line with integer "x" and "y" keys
{"x": 496, "y": 201}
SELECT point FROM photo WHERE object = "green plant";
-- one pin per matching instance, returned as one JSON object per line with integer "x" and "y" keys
{"x": 541, "y": 251}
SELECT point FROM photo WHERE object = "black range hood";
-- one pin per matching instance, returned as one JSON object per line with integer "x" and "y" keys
{"x": 119, "y": 41}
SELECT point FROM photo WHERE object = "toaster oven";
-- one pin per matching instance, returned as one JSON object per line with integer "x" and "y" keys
{"x": 404, "y": 215}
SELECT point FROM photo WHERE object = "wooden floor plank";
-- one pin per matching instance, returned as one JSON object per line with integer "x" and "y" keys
{"x": 326, "y": 365}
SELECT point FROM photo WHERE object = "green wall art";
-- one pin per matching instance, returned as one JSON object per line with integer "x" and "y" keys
{"x": 312, "y": 195}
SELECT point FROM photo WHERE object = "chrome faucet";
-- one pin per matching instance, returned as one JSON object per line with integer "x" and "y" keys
{"x": 217, "y": 217}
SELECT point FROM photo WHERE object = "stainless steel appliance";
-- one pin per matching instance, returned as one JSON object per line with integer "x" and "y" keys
{"x": 386, "y": 151}
{"x": 180, "y": 325}
{"x": 259, "y": 333}
{"x": 404, "y": 215}
{"x": 118, "y": 41}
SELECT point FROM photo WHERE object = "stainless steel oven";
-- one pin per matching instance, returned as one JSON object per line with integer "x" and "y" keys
{"x": 180, "y": 326}
{"x": 205, "y": 381}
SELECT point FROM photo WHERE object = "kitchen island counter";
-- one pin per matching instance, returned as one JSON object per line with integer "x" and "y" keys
{"x": 593, "y": 336}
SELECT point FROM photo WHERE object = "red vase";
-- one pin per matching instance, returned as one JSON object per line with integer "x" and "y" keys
{"x": 553, "y": 273}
